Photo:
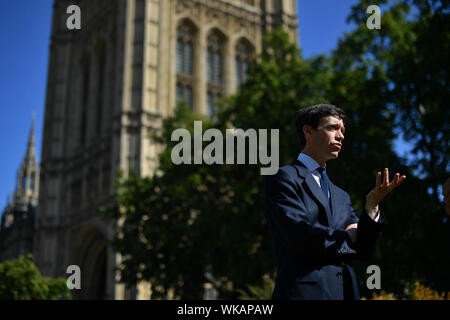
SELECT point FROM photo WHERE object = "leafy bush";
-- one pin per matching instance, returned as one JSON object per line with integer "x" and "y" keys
{"x": 263, "y": 292}
{"x": 381, "y": 296}
{"x": 420, "y": 292}
{"x": 20, "y": 279}
{"x": 417, "y": 291}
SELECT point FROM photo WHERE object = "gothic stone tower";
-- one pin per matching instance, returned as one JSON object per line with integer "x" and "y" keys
{"x": 109, "y": 84}
{"x": 16, "y": 231}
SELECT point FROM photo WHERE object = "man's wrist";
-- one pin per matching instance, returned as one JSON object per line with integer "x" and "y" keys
{"x": 372, "y": 211}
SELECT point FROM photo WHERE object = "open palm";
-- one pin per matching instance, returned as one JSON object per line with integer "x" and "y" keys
{"x": 382, "y": 188}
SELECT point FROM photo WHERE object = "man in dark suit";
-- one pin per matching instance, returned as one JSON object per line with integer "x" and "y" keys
{"x": 312, "y": 223}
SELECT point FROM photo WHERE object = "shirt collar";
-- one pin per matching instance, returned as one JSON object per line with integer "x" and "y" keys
{"x": 309, "y": 162}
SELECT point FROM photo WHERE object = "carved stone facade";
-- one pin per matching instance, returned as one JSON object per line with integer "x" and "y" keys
{"x": 109, "y": 85}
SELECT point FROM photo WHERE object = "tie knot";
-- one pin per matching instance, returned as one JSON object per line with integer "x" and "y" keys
{"x": 321, "y": 170}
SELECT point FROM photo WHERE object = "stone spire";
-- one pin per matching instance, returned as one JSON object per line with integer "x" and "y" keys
{"x": 31, "y": 149}
{"x": 27, "y": 186}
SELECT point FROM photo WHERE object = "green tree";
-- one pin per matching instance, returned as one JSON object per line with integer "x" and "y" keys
{"x": 419, "y": 68}
{"x": 20, "y": 279}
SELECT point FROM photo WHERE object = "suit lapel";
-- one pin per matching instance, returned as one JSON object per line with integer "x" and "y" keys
{"x": 333, "y": 195}
{"x": 314, "y": 188}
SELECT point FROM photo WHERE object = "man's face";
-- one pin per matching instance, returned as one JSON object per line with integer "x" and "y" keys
{"x": 325, "y": 142}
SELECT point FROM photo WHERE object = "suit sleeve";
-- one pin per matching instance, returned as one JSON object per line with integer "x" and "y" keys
{"x": 369, "y": 234}
{"x": 287, "y": 215}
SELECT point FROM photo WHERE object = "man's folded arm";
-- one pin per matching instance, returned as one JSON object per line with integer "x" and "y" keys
{"x": 286, "y": 211}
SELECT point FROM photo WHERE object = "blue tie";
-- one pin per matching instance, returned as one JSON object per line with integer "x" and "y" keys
{"x": 323, "y": 181}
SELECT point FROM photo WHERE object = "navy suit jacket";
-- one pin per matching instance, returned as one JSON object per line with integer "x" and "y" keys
{"x": 311, "y": 247}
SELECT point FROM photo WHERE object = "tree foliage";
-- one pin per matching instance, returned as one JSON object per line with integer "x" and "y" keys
{"x": 20, "y": 279}
{"x": 412, "y": 51}
{"x": 407, "y": 63}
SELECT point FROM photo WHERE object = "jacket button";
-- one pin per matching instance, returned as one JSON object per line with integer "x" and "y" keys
{"x": 339, "y": 275}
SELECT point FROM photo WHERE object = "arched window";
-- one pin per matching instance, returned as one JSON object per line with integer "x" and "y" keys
{"x": 184, "y": 62}
{"x": 214, "y": 72}
{"x": 243, "y": 58}
{"x": 214, "y": 58}
{"x": 184, "y": 92}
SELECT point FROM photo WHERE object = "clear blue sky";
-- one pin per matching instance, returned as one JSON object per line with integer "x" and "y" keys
{"x": 25, "y": 33}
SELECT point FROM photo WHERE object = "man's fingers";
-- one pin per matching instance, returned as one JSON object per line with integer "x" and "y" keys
{"x": 386, "y": 176}
{"x": 378, "y": 179}
{"x": 396, "y": 177}
{"x": 383, "y": 182}
{"x": 396, "y": 181}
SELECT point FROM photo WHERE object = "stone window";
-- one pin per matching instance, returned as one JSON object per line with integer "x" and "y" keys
{"x": 184, "y": 62}
{"x": 244, "y": 55}
{"x": 214, "y": 72}
{"x": 184, "y": 92}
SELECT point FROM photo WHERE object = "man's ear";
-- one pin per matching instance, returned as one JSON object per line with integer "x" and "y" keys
{"x": 307, "y": 130}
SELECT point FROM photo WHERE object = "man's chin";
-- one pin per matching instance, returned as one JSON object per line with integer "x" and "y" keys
{"x": 334, "y": 155}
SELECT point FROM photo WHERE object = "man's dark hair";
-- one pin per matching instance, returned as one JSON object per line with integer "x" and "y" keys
{"x": 312, "y": 115}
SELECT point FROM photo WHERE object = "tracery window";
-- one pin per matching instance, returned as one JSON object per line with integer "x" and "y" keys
{"x": 243, "y": 56}
{"x": 214, "y": 72}
{"x": 184, "y": 63}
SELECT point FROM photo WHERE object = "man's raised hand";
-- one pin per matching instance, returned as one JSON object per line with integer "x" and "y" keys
{"x": 382, "y": 188}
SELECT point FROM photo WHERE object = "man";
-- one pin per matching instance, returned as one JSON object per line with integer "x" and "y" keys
{"x": 313, "y": 226}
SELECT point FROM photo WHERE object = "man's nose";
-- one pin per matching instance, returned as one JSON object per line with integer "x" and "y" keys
{"x": 340, "y": 136}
